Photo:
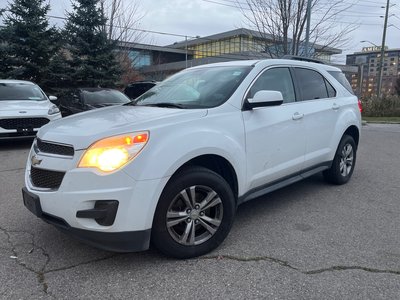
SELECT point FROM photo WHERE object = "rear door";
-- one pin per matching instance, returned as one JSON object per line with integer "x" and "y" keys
{"x": 321, "y": 110}
{"x": 275, "y": 140}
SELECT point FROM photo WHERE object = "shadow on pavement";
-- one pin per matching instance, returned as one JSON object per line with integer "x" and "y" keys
{"x": 16, "y": 144}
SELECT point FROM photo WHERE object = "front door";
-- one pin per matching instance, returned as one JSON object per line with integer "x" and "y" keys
{"x": 275, "y": 140}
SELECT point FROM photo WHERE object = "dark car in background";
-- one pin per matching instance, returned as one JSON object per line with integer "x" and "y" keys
{"x": 136, "y": 89}
{"x": 83, "y": 99}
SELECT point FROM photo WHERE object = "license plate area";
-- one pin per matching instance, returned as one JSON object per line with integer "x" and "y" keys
{"x": 32, "y": 202}
{"x": 28, "y": 130}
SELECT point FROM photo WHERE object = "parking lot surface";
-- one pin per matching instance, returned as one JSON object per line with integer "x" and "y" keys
{"x": 310, "y": 240}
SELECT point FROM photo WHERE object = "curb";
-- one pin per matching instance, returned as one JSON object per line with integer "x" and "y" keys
{"x": 364, "y": 123}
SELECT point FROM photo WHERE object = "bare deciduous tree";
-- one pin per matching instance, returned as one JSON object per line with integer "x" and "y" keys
{"x": 283, "y": 23}
{"x": 123, "y": 27}
{"x": 123, "y": 19}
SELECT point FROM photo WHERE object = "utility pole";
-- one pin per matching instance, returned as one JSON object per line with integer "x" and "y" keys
{"x": 361, "y": 78}
{"x": 186, "y": 55}
{"x": 307, "y": 43}
{"x": 379, "y": 87}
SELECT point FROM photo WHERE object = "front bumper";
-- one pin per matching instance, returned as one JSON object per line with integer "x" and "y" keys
{"x": 127, "y": 241}
{"x": 73, "y": 204}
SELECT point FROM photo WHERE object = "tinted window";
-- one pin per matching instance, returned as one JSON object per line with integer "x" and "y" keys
{"x": 277, "y": 79}
{"x": 135, "y": 90}
{"x": 104, "y": 97}
{"x": 311, "y": 84}
{"x": 20, "y": 91}
{"x": 331, "y": 90}
{"x": 339, "y": 76}
{"x": 68, "y": 98}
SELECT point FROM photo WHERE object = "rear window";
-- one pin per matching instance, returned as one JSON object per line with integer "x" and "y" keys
{"x": 339, "y": 76}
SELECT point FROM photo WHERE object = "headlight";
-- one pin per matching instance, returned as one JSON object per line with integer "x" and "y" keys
{"x": 112, "y": 153}
{"x": 53, "y": 110}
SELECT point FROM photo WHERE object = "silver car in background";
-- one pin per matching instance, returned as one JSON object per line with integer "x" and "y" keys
{"x": 24, "y": 108}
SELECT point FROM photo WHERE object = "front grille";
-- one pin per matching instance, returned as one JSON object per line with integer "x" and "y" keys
{"x": 46, "y": 178}
{"x": 23, "y": 123}
{"x": 48, "y": 147}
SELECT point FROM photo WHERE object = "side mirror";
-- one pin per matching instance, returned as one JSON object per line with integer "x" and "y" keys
{"x": 54, "y": 99}
{"x": 264, "y": 98}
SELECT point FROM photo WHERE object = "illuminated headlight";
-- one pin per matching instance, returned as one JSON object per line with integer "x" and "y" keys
{"x": 112, "y": 153}
{"x": 53, "y": 110}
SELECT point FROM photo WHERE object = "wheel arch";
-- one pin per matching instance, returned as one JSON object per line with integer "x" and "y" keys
{"x": 354, "y": 133}
{"x": 217, "y": 164}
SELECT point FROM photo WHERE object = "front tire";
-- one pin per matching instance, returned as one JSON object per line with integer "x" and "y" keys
{"x": 343, "y": 163}
{"x": 194, "y": 214}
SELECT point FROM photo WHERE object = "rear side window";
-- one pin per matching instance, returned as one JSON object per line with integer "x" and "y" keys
{"x": 312, "y": 84}
{"x": 331, "y": 90}
{"x": 339, "y": 76}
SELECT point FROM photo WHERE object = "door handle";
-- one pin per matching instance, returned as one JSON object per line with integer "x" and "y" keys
{"x": 335, "y": 106}
{"x": 297, "y": 116}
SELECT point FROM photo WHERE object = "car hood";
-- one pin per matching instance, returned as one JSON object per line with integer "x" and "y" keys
{"x": 83, "y": 129}
{"x": 24, "y": 105}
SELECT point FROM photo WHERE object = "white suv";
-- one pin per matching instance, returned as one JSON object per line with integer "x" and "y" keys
{"x": 172, "y": 167}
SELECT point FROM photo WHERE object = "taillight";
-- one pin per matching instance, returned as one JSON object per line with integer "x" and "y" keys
{"x": 359, "y": 105}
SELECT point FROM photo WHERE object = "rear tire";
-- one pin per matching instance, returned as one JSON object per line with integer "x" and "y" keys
{"x": 343, "y": 163}
{"x": 194, "y": 214}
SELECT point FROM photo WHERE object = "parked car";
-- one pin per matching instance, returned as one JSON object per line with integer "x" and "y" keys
{"x": 138, "y": 88}
{"x": 24, "y": 108}
{"x": 173, "y": 166}
{"x": 83, "y": 99}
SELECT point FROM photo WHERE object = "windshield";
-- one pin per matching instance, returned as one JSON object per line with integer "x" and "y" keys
{"x": 197, "y": 88}
{"x": 104, "y": 97}
{"x": 20, "y": 91}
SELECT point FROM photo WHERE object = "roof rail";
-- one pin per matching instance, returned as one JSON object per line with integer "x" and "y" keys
{"x": 302, "y": 58}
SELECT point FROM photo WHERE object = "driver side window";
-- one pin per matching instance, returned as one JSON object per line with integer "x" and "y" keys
{"x": 276, "y": 79}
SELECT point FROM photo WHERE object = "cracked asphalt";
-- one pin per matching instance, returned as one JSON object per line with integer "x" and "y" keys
{"x": 307, "y": 241}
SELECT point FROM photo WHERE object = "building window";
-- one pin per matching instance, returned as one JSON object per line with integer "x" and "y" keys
{"x": 139, "y": 58}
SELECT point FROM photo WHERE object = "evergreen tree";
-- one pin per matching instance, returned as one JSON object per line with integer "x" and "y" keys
{"x": 26, "y": 41}
{"x": 5, "y": 57}
{"x": 93, "y": 59}
{"x": 58, "y": 78}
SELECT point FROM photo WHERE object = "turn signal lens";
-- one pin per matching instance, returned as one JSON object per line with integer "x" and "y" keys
{"x": 112, "y": 153}
{"x": 360, "y": 105}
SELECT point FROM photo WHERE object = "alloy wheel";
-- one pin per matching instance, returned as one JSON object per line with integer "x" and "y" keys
{"x": 346, "y": 160}
{"x": 194, "y": 215}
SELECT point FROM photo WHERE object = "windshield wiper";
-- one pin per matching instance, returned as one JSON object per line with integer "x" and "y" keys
{"x": 166, "y": 104}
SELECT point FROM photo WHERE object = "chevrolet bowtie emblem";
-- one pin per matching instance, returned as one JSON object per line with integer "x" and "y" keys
{"x": 35, "y": 161}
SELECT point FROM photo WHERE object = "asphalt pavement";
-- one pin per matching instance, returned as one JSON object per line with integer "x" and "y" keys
{"x": 310, "y": 240}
